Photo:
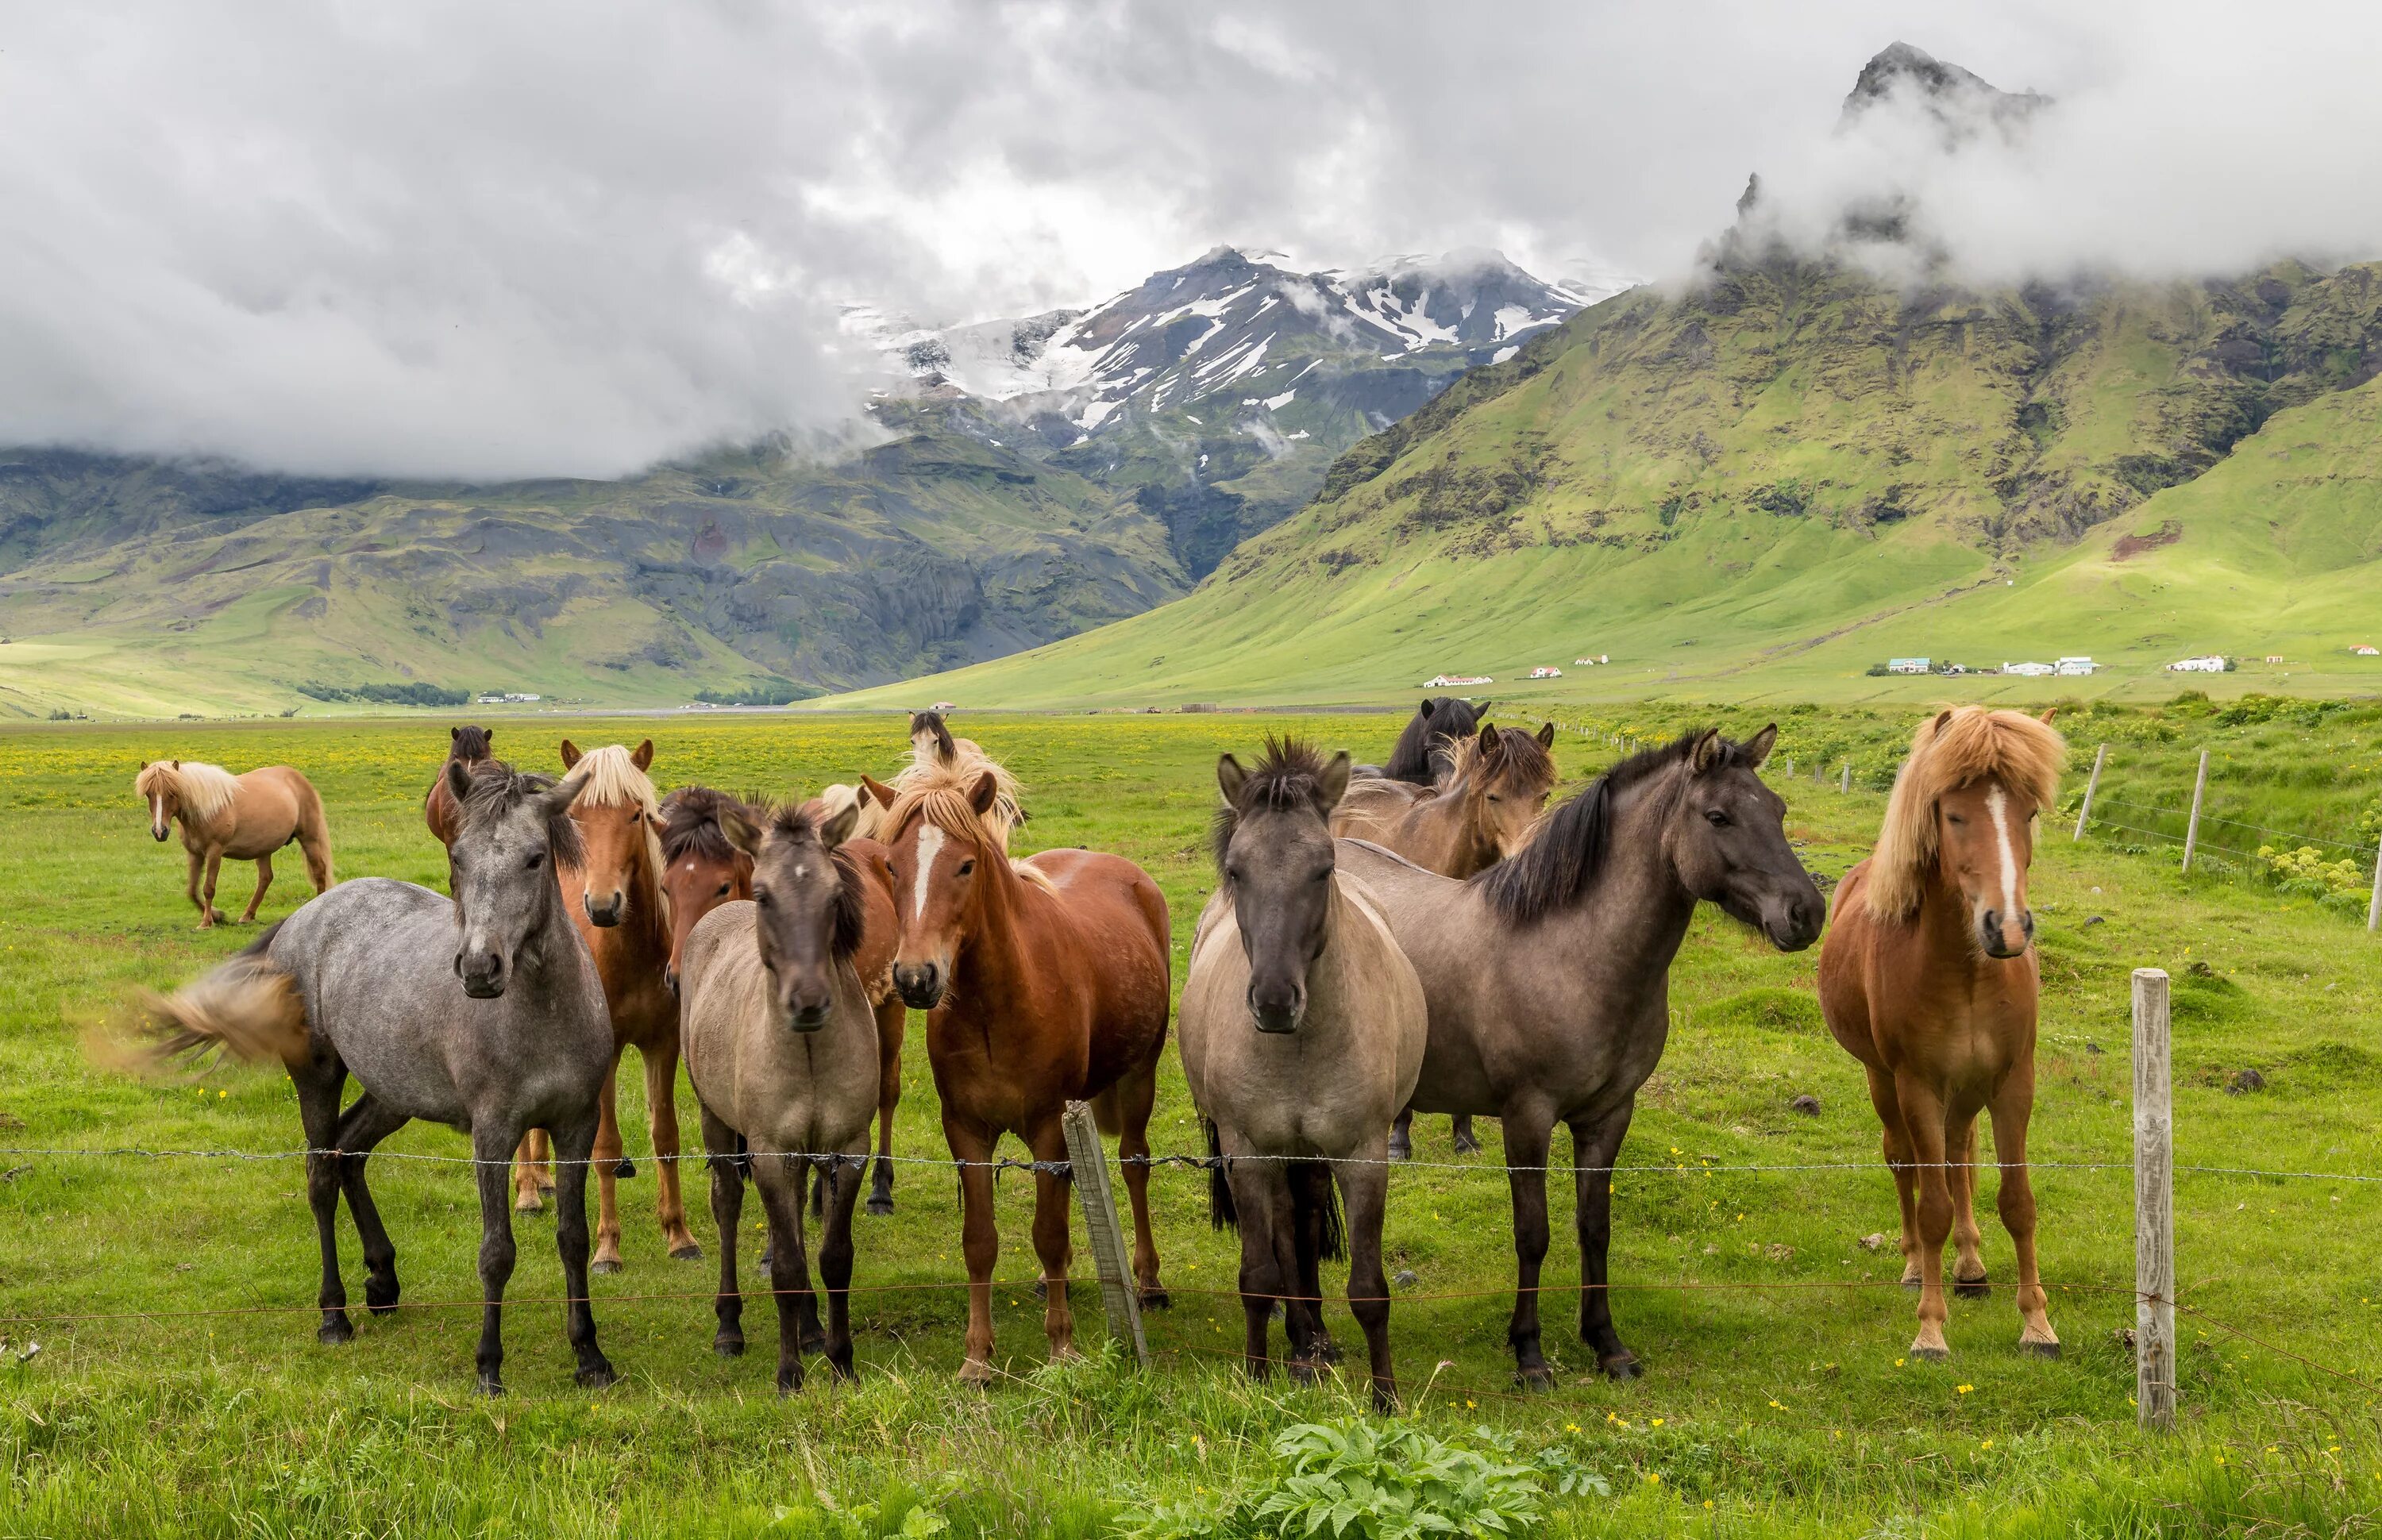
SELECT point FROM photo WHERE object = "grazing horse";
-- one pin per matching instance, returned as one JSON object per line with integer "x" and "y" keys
{"x": 781, "y": 1045}
{"x": 482, "y": 1012}
{"x": 703, "y": 867}
{"x": 616, "y": 897}
{"x": 1548, "y": 976}
{"x": 246, "y": 817}
{"x": 1929, "y": 978}
{"x": 1491, "y": 788}
{"x": 466, "y": 746}
{"x": 1417, "y": 755}
{"x": 1302, "y": 1032}
{"x": 936, "y": 755}
{"x": 1044, "y": 980}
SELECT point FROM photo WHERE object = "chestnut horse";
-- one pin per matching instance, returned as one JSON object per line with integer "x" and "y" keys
{"x": 704, "y": 867}
{"x": 1044, "y": 980}
{"x": 1929, "y": 977}
{"x": 1491, "y": 788}
{"x": 935, "y": 752}
{"x": 466, "y": 746}
{"x": 616, "y": 900}
{"x": 246, "y": 817}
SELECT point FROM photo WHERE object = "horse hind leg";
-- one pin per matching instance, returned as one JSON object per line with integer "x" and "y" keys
{"x": 1315, "y": 1235}
{"x": 1466, "y": 1142}
{"x": 1051, "y": 1193}
{"x": 727, "y": 1213}
{"x": 570, "y": 1147}
{"x": 1896, "y": 1144}
{"x": 209, "y": 916}
{"x": 606, "y": 1158}
{"x": 533, "y": 1173}
{"x": 361, "y": 1129}
{"x": 661, "y": 1113}
{"x": 1402, "y": 1135}
{"x": 893, "y": 1019}
{"x": 1968, "y": 1279}
{"x": 1136, "y": 1094}
{"x": 264, "y": 881}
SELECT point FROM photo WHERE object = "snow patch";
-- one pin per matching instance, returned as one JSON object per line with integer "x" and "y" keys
{"x": 1275, "y": 403}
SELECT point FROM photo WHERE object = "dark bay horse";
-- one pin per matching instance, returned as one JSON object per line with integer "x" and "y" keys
{"x": 1302, "y": 1032}
{"x": 1044, "y": 980}
{"x": 482, "y": 1012}
{"x": 1930, "y": 978}
{"x": 1417, "y": 755}
{"x": 466, "y": 746}
{"x": 244, "y": 817}
{"x": 1548, "y": 976}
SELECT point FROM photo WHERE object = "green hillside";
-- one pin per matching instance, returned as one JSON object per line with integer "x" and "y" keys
{"x": 1770, "y": 482}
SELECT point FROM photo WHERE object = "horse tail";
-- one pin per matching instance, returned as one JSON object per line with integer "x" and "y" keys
{"x": 1315, "y": 1196}
{"x": 312, "y": 835}
{"x": 1220, "y": 1211}
{"x": 250, "y": 1008}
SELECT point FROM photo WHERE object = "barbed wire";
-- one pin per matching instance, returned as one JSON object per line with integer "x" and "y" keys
{"x": 2104, "y": 801}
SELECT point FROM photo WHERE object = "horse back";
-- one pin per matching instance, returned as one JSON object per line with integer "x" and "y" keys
{"x": 1103, "y": 929}
{"x": 1847, "y": 954}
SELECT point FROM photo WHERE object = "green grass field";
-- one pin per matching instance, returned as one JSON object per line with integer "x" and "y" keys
{"x": 187, "y": 1395}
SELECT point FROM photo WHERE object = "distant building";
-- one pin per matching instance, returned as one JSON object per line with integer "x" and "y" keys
{"x": 944, "y": 705}
{"x": 2273, "y": 657}
{"x": 2030, "y": 670}
{"x": 1456, "y": 682}
{"x": 1589, "y": 663}
{"x": 2075, "y": 665}
{"x": 507, "y": 698}
{"x": 2367, "y": 652}
{"x": 1546, "y": 671}
{"x": 1906, "y": 665}
{"x": 2209, "y": 665}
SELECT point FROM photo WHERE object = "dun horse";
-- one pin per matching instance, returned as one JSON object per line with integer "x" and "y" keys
{"x": 1044, "y": 980}
{"x": 1302, "y": 1032}
{"x": 1420, "y": 751}
{"x": 703, "y": 868}
{"x": 1491, "y": 788}
{"x": 482, "y": 1013}
{"x": 245, "y": 817}
{"x": 1929, "y": 978}
{"x": 466, "y": 746}
{"x": 783, "y": 1046}
{"x": 616, "y": 898}
{"x": 1548, "y": 977}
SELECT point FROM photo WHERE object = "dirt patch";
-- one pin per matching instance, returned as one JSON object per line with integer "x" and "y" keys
{"x": 2135, "y": 544}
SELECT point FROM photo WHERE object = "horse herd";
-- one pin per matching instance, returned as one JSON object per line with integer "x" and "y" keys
{"x": 1424, "y": 936}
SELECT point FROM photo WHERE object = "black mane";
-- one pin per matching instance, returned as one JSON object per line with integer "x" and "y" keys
{"x": 1415, "y": 758}
{"x": 469, "y": 743}
{"x": 791, "y": 823}
{"x": 690, "y": 822}
{"x": 1289, "y": 776}
{"x": 497, "y": 789}
{"x": 1557, "y": 867}
{"x": 932, "y": 722}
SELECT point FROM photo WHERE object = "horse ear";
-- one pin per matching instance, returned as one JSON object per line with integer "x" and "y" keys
{"x": 565, "y": 792}
{"x": 642, "y": 756}
{"x": 737, "y": 826}
{"x": 1942, "y": 720}
{"x": 1547, "y": 736}
{"x": 178, "y": 765}
{"x": 981, "y": 795}
{"x": 2047, "y": 716}
{"x": 1758, "y": 747}
{"x": 1425, "y": 711}
{"x": 1705, "y": 751}
{"x": 1483, "y": 703}
{"x": 569, "y": 754}
{"x": 1333, "y": 783}
{"x": 838, "y": 826}
{"x": 454, "y": 733}
{"x": 1231, "y": 778}
{"x": 459, "y": 780}
{"x": 879, "y": 789}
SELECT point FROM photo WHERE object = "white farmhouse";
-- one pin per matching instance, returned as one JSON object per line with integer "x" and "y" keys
{"x": 2030, "y": 670}
{"x": 2075, "y": 665}
{"x": 2209, "y": 665}
{"x": 1456, "y": 682}
{"x": 1546, "y": 671}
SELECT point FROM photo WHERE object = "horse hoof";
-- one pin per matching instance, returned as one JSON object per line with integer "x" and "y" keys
{"x": 596, "y": 1375}
{"x": 788, "y": 1383}
{"x": 811, "y": 1342}
{"x": 691, "y": 1251}
{"x": 1306, "y": 1371}
{"x": 529, "y": 1203}
{"x": 1932, "y": 1355}
{"x": 625, "y": 1169}
{"x": 1326, "y": 1351}
{"x": 1622, "y": 1365}
{"x": 334, "y": 1332}
{"x": 1401, "y": 1152}
{"x": 1972, "y": 1288}
{"x": 1466, "y": 1145}
{"x": 488, "y": 1386}
{"x": 2039, "y": 1350}
{"x": 1156, "y": 1298}
{"x": 380, "y": 1302}
{"x": 842, "y": 1366}
{"x": 727, "y": 1346}
{"x": 1912, "y": 1281}
{"x": 880, "y": 1205}
{"x": 1042, "y": 1290}
{"x": 605, "y": 1264}
{"x": 1535, "y": 1377}
{"x": 976, "y": 1373}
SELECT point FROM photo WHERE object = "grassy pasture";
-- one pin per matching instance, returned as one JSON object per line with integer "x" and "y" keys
{"x": 1776, "y": 1403}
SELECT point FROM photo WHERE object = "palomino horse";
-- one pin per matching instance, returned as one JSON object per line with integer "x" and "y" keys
{"x": 1548, "y": 976}
{"x": 1421, "y": 749}
{"x": 246, "y": 817}
{"x": 1491, "y": 788}
{"x": 615, "y": 896}
{"x": 482, "y": 1012}
{"x": 1044, "y": 980}
{"x": 781, "y": 1045}
{"x": 935, "y": 754}
{"x": 703, "y": 867}
{"x": 1929, "y": 978}
{"x": 1302, "y": 1032}
{"x": 466, "y": 746}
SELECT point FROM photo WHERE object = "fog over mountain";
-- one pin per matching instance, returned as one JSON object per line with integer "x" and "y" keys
{"x": 467, "y": 242}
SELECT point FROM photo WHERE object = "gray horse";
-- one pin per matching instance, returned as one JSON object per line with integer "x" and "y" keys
{"x": 482, "y": 1013}
{"x": 1548, "y": 976}
{"x": 781, "y": 1044}
{"x": 1302, "y": 1029}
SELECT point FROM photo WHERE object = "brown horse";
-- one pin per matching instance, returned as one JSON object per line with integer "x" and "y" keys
{"x": 1929, "y": 978}
{"x": 1491, "y": 788}
{"x": 704, "y": 866}
{"x": 934, "y": 752}
{"x": 1045, "y": 981}
{"x": 245, "y": 817}
{"x": 466, "y": 746}
{"x": 615, "y": 897}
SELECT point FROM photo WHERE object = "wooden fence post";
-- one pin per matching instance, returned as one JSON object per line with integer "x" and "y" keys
{"x": 1089, "y": 1166}
{"x": 2191, "y": 830}
{"x": 2153, "y": 1204}
{"x": 1790, "y": 767}
{"x": 2092, "y": 787}
{"x": 2374, "y": 905}
{"x": 1845, "y": 781}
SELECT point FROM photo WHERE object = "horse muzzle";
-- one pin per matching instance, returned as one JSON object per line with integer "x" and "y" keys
{"x": 1795, "y": 924}
{"x": 607, "y": 915}
{"x": 482, "y": 974}
{"x": 920, "y": 984}
{"x": 1277, "y": 1010}
{"x": 157, "y": 832}
{"x": 2002, "y": 941}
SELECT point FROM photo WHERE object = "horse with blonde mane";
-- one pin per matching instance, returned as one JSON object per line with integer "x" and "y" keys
{"x": 616, "y": 898}
{"x": 245, "y": 817}
{"x": 934, "y": 754}
{"x": 1929, "y": 977}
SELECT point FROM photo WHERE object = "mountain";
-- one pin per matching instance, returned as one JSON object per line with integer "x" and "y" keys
{"x": 1019, "y": 481}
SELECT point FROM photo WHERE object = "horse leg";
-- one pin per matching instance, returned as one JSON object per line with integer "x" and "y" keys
{"x": 1136, "y": 1093}
{"x": 210, "y": 915}
{"x": 1968, "y": 1262}
{"x": 1897, "y": 1160}
{"x": 980, "y": 1243}
{"x": 1051, "y": 1193}
{"x": 2012, "y": 1106}
{"x": 264, "y": 881}
{"x": 318, "y": 1112}
{"x": 1466, "y": 1142}
{"x": 727, "y": 1213}
{"x": 1365, "y": 1191}
{"x": 314, "y": 844}
{"x": 198, "y": 866}
{"x": 1922, "y": 1110}
{"x": 780, "y": 1179}
{"x": 1261, "y": 1200}
{"x": 533, "y": 1173}
{"x": 835, "y": 1258}
{"x": 571, "y": 1150}
{"x": 607, "y": 1157}
{"x": 892, "y": 1021}
{"x": 1528, "y": 1134}
{"x": 1401, "y": 1134}
{"x": 1311, "y": 1195}
{"x": 661, "y": 1115}
{"x": 488, "y": 1148}
{"x": 1595, "y": 1147}
{"x": 361, "y": 1129}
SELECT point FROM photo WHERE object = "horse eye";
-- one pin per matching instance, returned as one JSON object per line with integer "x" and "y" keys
{"x": 1954, "y": 818}
{"x": 535, "y": 859}
{"x": 761, "y": 897}
{"x": 966, "y": 867}
{"x": 1495, "y": 797}
{"x": 1719, "y": 819}
{"x": 723, "y": 890}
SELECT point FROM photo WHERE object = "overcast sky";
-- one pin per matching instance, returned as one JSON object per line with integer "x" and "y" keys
{"x": 523, "y": 238}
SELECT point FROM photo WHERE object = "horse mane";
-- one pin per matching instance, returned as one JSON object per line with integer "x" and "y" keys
{"x": 941, "y": 793}
{"x": 469, "y": 744}
{"x": 934, "y": 757}
{"x": 1288, "y": 776}
{"x": 1416, "y": 754}
{"x": 497, "y": 789}
{"x": 1558, "y": 866}
{"x": 788, "y": 823}
{"x": 1523, "y": 760}
{"x": 1950, "y": 750}
{"x": 204, "y": 790}
{"x": 614, "y": 780}
{"x": 690, "y": 822}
